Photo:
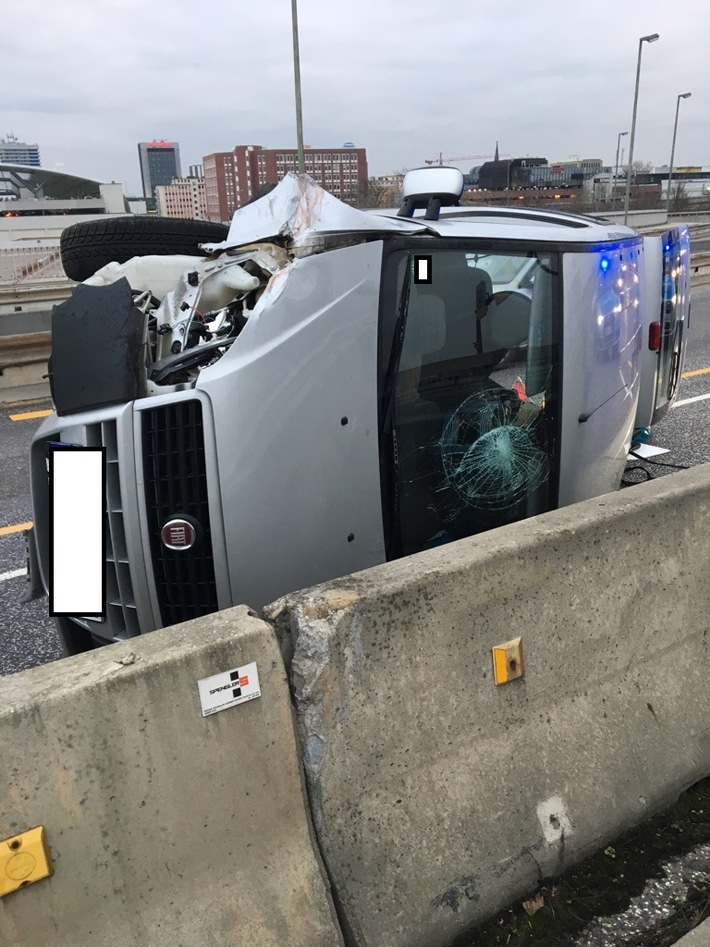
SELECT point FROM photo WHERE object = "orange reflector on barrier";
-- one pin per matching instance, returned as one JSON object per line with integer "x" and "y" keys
{"x": 508, "y": 661}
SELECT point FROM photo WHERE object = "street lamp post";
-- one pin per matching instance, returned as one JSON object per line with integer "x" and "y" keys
{"x": 616, "y": 169}
{"x": 651, "y": 38}
{"x": 683, "y": 95}
{"x": 297, "y": 81}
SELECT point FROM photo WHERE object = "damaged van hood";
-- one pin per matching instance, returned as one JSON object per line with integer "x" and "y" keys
{"x": 300, "y": 212}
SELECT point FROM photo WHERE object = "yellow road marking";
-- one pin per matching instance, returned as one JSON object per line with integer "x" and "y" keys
{"x": 21, "y": 404}
{"x": 698, "y": 371}
{"x": 30, "y": 415}
{"x": 5, "y": 530}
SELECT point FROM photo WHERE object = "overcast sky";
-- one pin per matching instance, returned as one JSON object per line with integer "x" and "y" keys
{"x": 406, "y": 79}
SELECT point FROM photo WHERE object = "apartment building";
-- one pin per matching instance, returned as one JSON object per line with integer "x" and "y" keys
{"x": 232, "y": 178}
{"x": 183, "y": 197}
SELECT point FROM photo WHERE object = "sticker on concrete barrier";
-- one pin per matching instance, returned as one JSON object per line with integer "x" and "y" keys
{"x": 229, "y": 689}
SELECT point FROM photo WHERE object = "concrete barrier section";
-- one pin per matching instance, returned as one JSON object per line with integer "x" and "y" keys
{"x": 698, "y": 937}
{"x": 439, "y": 796}
{"x": 165, "y": 827}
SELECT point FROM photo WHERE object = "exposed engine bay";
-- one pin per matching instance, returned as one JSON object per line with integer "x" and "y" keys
{"x": 153, "y": 324}
{"x": 190, "y": 326}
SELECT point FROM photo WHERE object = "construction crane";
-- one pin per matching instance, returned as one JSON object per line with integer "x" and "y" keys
{"x": 441, "y": 159}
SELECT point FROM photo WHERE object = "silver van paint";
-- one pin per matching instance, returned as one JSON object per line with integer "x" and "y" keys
{"x": 295, "y": 475}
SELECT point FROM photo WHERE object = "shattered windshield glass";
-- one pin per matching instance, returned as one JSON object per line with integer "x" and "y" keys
{"x": 475, "y": 394}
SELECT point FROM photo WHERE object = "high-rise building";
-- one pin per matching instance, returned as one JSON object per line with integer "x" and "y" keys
{"x": 233, "y": 177}
{"x": 184, "y": 197}
{"x": 13, "y": 151}
{"x": 160, "y": 163}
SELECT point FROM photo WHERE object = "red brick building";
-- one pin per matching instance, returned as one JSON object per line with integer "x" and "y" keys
{"x": 233, "y": 177}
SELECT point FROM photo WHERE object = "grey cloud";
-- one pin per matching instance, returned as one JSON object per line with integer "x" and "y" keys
{"x": 404, "y": 78}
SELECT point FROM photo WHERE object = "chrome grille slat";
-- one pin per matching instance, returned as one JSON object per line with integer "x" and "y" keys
{"x": 121, "y": 610}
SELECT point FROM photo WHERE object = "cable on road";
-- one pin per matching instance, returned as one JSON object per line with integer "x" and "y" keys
{"x": 648, "y": 474}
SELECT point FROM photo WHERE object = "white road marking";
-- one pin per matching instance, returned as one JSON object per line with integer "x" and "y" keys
{"x": 691, "y": 400}
{"x": 12, "y": 575}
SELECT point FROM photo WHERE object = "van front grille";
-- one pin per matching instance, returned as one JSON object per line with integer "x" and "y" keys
{"x": 176, "y": 486}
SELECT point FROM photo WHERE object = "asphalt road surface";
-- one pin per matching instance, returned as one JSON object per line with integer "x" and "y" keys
{"x": 27, "y": 635}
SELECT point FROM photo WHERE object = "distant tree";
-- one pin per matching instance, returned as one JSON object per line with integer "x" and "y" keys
{"x": 641, "y": 167}
{"x": 374, "y": 193}
{"x": 680, "y": 201}
{"x": 367, "y": 195}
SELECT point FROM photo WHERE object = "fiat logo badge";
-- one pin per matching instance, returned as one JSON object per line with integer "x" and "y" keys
{"x": 178, "y": 534}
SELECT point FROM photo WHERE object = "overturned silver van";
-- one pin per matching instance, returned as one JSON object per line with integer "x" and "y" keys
{"x": 328, "y": 388}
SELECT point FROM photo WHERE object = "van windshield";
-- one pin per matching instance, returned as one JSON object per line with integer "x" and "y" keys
{"x": 474, "y": 394}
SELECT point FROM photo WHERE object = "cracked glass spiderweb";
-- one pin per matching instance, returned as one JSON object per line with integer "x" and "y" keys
{"x": 489, "y": 452}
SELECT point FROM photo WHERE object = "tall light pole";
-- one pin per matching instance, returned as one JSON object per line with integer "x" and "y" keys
{"x": 616, "y": 169}
{"x": 297, "y": 81}
{"x": 683, "y": 95}
{"x": 651, "y": 38}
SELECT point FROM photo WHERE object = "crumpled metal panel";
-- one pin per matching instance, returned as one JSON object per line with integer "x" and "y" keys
{"x": 300, "y": 211}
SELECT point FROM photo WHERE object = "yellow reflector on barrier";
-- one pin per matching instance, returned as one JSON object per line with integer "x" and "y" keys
{"x": 24, "y": 859}
{"x": 508, "y": 661}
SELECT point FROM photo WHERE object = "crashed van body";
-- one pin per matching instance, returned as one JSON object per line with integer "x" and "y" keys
{"x": 329, "y": 388}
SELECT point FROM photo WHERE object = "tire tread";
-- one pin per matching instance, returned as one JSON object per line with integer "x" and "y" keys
{"x": 87, "y": 246}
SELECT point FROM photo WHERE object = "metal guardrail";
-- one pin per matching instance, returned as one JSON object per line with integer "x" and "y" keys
{"x": 23, "y": 359}
{"x": 699, "y": 231}
{"x": 700, "y": 269}
{"x": 27, "y": 295}
{"x": 24, "y": 354}
{"x": 27, "y": 349}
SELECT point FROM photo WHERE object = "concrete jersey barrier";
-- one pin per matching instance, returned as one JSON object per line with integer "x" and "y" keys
{"x": 438, "y": 796}
{"x": 698, "y": 937}
{"x": 165, "y": 827}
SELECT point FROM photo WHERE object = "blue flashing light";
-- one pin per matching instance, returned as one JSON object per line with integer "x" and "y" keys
{"x": 604, "y": 264}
